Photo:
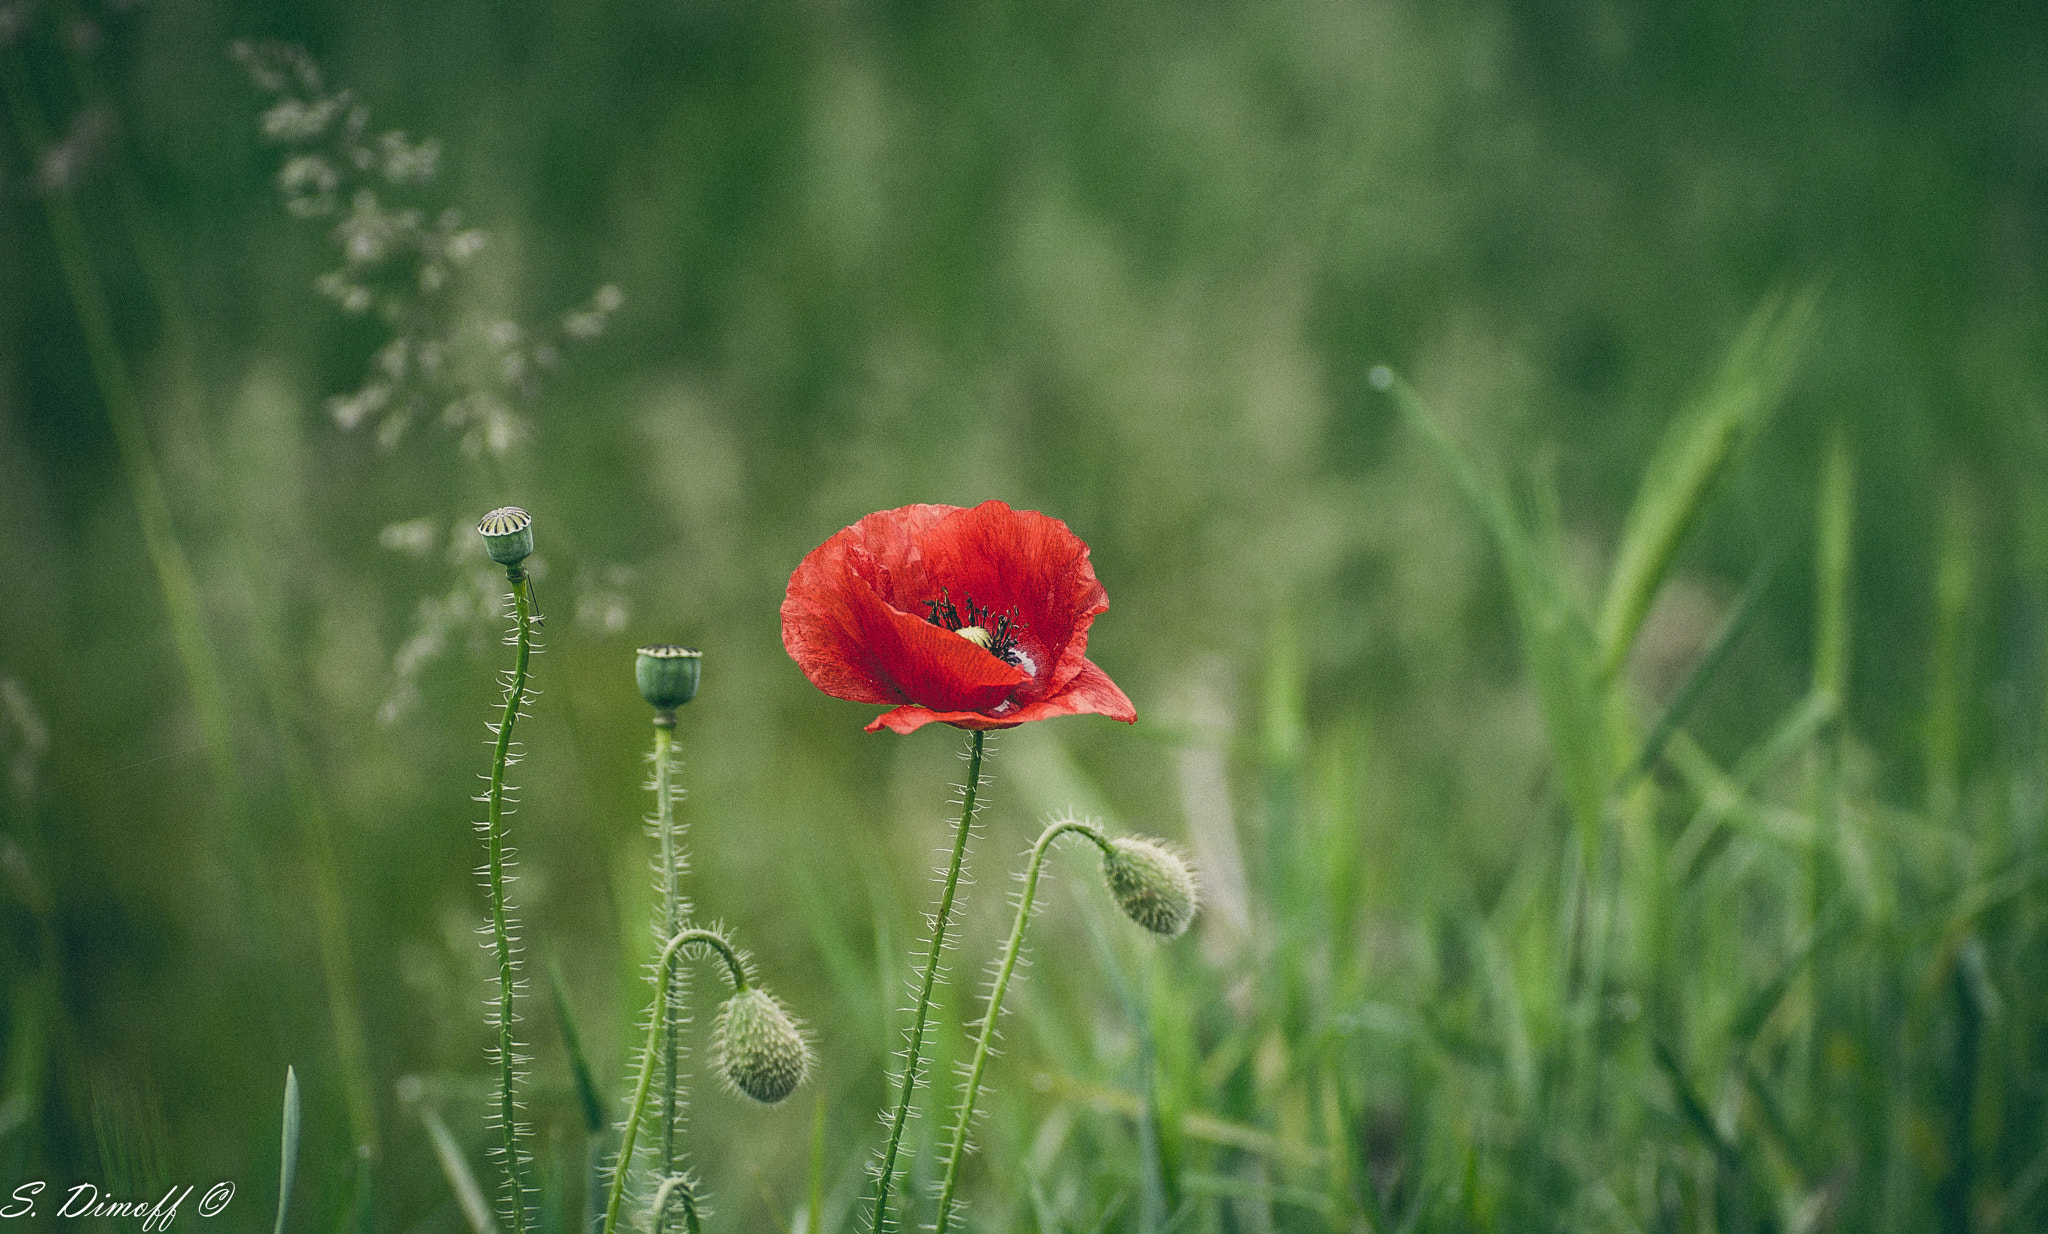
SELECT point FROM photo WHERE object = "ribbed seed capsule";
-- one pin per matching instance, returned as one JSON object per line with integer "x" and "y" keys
{"x": 1151, "y": 884}
{"x": 760, "y": 1050}
{"x": 508, "y": 535}
{"x": 667, "y": 674}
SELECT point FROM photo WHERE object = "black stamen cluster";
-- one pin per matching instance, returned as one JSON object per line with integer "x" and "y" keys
{"x": 1002, "y": 631}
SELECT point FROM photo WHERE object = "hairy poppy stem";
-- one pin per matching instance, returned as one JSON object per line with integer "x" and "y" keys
{"x": 656, "y": 1022}
{"x": 501, "y": 933}
{"x": 672, "y": 913}
{"x": 886, "y": 1176}
{"x": 675, "y": 1187}
{"x": 972, "y": 1088}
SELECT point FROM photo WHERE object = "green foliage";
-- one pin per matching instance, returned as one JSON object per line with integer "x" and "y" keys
{"x": 1555, "y": 876}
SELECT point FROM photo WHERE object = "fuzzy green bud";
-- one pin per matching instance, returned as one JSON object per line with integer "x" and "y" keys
{"x": 508, "y": 535}
{"x": 759, "y": 1048}
{"x": 667, "y": 674}
{"x": 1151, "y": 884}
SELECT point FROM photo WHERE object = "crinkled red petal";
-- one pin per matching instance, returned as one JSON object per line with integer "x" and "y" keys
{"x": 855, "y": 617}
{"x": 841, "y": 627}
{"x": 1009, "y": 559}
{"x": 1090, "y": 692}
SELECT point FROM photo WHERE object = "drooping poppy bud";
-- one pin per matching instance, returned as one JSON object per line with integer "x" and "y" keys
{"x": 758, "y": 1048}
{"x": 1151, "y": 884}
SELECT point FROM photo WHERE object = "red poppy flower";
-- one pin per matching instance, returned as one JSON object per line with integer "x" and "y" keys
{"x": 978, "y": 618}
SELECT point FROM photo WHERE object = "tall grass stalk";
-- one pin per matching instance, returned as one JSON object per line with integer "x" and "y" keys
{"x": 173, "y": 565}
{"x": 123, "y": 406}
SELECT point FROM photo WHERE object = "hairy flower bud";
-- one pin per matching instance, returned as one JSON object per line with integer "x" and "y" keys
{"x": 508, "y": 535}
{"x": 667, "y": 675}
{"x": 759, "y": 1048}
{"x": 1151, "y": 884}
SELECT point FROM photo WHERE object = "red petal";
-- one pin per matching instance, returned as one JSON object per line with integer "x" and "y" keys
{"x": 842, "y": 624}
{"x": 1091, "y": 692}
{"x": 1004, "y": 558}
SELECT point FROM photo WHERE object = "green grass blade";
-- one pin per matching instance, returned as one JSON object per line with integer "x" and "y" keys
{"x": 1556, "y": 642}
{"x": 288, "y": 1148}
{"x": 1697, "y": 452}
{"x": 1750, "y": 1020}
{"x": 1834, "y": 551}
{"x": 579, "y": 1065}
{"x": 1681, "y": 705}
{"x": 1694, "y": 1109}
{"x": 1799, "y": 727}
{"x": 1771, "y": 1115}
{"x": 468, "y": 1195}
{"x": 1949, "y": 661}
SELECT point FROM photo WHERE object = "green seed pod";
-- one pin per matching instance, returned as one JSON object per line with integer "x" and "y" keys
{"x": 667, "y": 675}
{"x": 759, "y": 1048}
{"x": 508, "y": 535}
{"x": 1151, "y": 884}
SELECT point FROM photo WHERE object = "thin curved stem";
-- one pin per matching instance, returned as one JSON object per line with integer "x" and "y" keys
{"x": 501, "y": 934}
{"x": 670, "y": 1187}
{"x": 655, "y": 1024}
{"x": 887, "y": 1174}
{"x": 1008, "y": 965}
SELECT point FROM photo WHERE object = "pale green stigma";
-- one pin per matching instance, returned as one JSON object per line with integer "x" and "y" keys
{"x": 975, "y": 634}
{"x": 508, "y": 535}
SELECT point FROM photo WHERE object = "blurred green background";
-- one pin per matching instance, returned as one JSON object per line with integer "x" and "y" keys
{"x": 1130, "y": 264}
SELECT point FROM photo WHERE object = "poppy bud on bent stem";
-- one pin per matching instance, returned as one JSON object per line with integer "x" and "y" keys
{"x": 759, "y": 1048}
{"x": 1151, "y": 884}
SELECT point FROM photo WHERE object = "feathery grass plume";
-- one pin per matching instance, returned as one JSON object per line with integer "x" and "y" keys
{"x": 402, "y": 255}
{"x": 508, "y": 537}
{"x": 401, "y": 259}
{"x": 1148, "y": 881}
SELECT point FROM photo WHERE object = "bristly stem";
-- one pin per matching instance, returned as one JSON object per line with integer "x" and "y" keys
{"x": 1004, "y": 968}
{"x": 675, "y": 1187}
{"x": 885, "y": 1177}
{"x": 673, "y": 910}
{"x": 501, "y": 933}
{"x": 656, "y": 1022}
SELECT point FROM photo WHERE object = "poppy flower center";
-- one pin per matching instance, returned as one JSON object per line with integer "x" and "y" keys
{"x": 997, "y": 635}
